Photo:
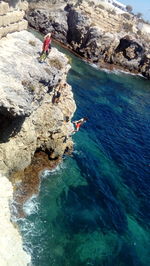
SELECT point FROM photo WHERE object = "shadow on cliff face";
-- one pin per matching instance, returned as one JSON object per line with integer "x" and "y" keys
{"x": 125, "y": 44}
{"x": 9, "y": 127}
{"x": 11, "y": 2}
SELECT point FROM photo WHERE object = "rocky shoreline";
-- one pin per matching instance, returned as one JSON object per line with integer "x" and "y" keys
{"x": 95, "y": 34}
{"x": 35, "y": 131}
{"x": 30, "y": 120}
{"x": 11, "y": 252}
{"x": 102, "y": 64}
{"x": 25, "y": 186}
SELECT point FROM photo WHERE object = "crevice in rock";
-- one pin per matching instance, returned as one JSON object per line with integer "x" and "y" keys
{"x": 9, "y": 127}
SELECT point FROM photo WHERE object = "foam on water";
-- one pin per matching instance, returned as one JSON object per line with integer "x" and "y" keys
{"x": 93, "y": 65}
{"x": 54, "y": 171}
{"x": 31, "y": 205}
{"x": 119, "y": 72}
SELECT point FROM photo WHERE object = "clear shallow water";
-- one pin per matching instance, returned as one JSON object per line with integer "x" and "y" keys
{"x": 94, "y": 209}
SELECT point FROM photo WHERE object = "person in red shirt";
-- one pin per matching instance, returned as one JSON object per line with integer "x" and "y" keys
{"x": 46, "y": 47}
{"x": 47, "y": 43}
{"x": 79, "y": 123}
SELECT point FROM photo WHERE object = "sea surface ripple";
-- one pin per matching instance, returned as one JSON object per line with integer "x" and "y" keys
{"x": 94, "y": 209}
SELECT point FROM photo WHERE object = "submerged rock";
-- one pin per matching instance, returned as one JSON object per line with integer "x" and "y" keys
{"x": 25, "y": 186}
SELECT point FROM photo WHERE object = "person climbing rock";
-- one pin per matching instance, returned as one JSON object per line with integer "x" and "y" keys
{"x": 57, "y": 97}
{"x": 46, "y": 47}
{"x": 58, "y": 92}
{"x": 78, "y": 123}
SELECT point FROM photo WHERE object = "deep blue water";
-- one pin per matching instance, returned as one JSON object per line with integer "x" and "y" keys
{"x": 94, "y": 208}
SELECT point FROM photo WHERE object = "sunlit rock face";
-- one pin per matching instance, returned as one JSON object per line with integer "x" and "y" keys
{"x": 29, "y": 118}
{"x": 12, "y": 17}
{"x": 11, "y": 252}
{"x": 95, "y": 33}
{"x": 12, "y": 3}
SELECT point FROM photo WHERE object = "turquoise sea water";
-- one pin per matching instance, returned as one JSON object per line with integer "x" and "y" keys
{"x": 94, "y": 208}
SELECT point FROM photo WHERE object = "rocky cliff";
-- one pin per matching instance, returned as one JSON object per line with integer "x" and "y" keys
{"x": 11, "y": 251}
{"x": 31, "y": 121}
{"x": 102, "y": 36}
{"x": 12, "y": 16}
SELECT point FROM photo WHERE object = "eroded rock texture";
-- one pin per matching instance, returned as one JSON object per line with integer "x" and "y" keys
{"x": 95, "y": 33}
{"x": 12, "y": 16}
{"x": 11, "y": 252}
{"x": 29, "y": 119}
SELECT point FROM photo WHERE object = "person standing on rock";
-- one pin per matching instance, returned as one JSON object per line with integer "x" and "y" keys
{"x": 57, "y": 93}
{"x": 46, "y": 47}
{"x": 56, "y": 96}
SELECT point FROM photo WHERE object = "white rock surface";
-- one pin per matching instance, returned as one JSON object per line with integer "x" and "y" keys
{"x": 11, "y": 251}
{"x": 29, "y": 120}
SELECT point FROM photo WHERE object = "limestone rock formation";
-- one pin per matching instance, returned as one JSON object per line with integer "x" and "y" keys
{"x": 29, "y": 119}
{"x": 94, "y": 33}
{"x": 11, "y": 252}
{"x": 12, "y": 16}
